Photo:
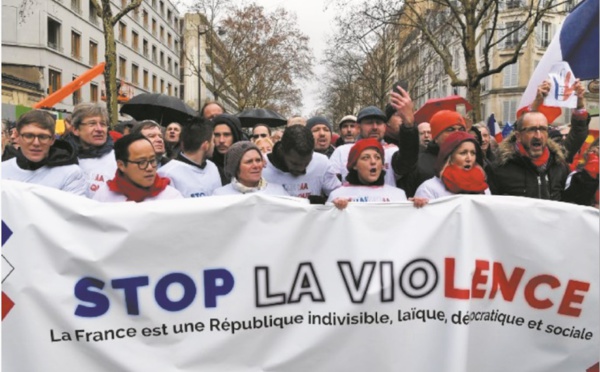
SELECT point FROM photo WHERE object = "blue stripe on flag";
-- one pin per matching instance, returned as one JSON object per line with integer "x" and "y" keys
{"x": 579, "y": 40}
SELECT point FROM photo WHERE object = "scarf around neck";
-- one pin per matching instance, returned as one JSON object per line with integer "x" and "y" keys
{"x": 262, "y": 184}
{"x": 461, "y": 181}
{"x": 121, "y": 185}
{"x": 540, "y": 161}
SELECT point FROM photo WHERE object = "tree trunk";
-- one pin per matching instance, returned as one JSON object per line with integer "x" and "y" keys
{"x": 110, "y": 69}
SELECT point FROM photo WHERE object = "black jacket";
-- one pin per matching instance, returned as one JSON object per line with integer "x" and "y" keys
{"x": 582, "y": 189}
{"x": 412, "y": 166}
{"x": 514, "y": 174}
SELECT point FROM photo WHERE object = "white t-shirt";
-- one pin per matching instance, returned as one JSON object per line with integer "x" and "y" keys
{"x": 69, "y": 178}
{"x": 104, "y": 194}
{"x": 319, "y": 179}
{"x": 339, "y": 159}
{"x": 369, "y": 194}
{"x": 434, "y": 188}
{"x": 190, "y": 180}
{"x": 98, "y": 171}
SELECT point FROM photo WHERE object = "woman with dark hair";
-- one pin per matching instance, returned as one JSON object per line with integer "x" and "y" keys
{"x": 365, "y": 179}
{"x": 582, "y": 185}
{"x": 458, "y": 169}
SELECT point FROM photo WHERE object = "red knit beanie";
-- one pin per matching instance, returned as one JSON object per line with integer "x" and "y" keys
{"x": 361, "y": 146}
{"x": 445, "y": 119}
{"x": 450, "y": 144}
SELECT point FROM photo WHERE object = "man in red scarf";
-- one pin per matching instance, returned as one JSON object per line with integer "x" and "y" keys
{"x": 136, "y": 179}
{"x": 528, "y": 163}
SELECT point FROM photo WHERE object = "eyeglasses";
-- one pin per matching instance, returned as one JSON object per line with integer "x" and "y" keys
{"x": 143, "y": 164}
{"x": 96, "y": 123}
{"x": 30, "y": 137}
{"x": 262, "y": 135}
{"x": 541, "y": 128}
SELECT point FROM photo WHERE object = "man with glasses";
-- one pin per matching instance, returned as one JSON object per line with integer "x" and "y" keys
{"x": 92, "y": 143}
{"x": 41, "y": 158}
{"x": 136, "y": 178}
{"x": 154, "y": 132}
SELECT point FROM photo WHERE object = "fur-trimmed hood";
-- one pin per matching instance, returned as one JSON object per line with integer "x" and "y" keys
{"x": 507, "y": 150}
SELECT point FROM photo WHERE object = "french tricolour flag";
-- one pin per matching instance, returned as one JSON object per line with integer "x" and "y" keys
{"x": 575, "y": 42}
{"x": 494, "y": 128}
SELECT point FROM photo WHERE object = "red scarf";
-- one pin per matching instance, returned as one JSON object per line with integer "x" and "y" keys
{"x": 462, "y": 181}
{"x": 591, "y": 165}
{"x": 123, "y": 186}
{"x": 539, "y": 161}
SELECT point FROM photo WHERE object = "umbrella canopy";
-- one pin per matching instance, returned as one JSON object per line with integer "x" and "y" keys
{"x": 436, "y": 104}
{"x": 251, "y": 117}
{"x": 158, "y": 107}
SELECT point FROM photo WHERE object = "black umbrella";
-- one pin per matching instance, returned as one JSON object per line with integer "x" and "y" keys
{"x": 158, "y": 107}
{"x": 251, "y": 117}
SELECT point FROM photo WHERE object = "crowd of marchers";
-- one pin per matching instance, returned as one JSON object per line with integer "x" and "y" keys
{"x": 376, "y": 156}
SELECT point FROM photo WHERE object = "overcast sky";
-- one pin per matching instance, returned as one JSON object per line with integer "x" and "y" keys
{"x": 315, "y": 20}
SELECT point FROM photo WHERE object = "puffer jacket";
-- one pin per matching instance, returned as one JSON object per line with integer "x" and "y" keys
{"x": 514, "y": 174}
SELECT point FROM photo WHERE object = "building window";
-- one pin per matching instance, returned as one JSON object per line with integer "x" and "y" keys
{"x": 122, "y": 32}
{"x": 169, "y": 15}
{"x": 169, "y": 41}
{"x": 135, "y": 40}
{"x": 162, "y": 59}
{"x": 511, "y": 75}
{"x": 169, "y": 89}
{"x": 169, "y": 65}
{"x": 145, "y": 47}
{"x": 176, "y": 46}
{"x": 76, "y": 6}
{"x": 76, "y": 95}
{"x": 176, "y": 68}
{"x": 154, "y": 84}
{"x": 162, "y": 86}
{"x": 134, "y": 73}
{"x": 512, "y": 34}
{"x": 76, "y": 45}
{"x": 93, "y": 53}
{"x": 162, "y": 34}
{"x": 153, "y": 26}
{"x": 513, "y": 4}
{"x": 154, "y": 53}
{"x": 146, "y": 79}
{"x": 54, "y": 81}
{"x": 176, "y": 92}
{"x": 145, "y": 18}
{"x": 162, "y": 9}
{"x": 546, "y": 36}
{"x": 94, "y": 92}
{"x": 122, "y": 68}
{"x": 509, "y": 110}
{"x": 53, "y": 34}
{"x": 93, "y": 17}
{"x": 136, "y": 14}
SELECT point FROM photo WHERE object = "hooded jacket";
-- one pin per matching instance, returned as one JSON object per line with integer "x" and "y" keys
{"x": 236, "y": 131}
{"x": 514, "y": 174}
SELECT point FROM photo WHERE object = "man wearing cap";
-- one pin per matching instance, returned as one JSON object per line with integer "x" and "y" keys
{"x": 42, "y": 159}
{"x": 302, "y": 172}
{"x": 190, "y": 172}
{"x": 322, "y": 130}
{"x": 442, "y": 124}
{"x": 348, "y": 130}
{"x": 227, "y": 131}
{"x": 372, "y": 124}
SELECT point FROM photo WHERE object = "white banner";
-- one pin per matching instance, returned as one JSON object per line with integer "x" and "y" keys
{"x": 468, "y": 283}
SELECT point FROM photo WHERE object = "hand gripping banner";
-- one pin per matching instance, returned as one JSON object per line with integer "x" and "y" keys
{"x": 255, "y": 283}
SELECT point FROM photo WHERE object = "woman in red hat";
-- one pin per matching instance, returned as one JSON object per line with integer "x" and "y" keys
{"x": 458, "y": 170}
{"x": 365, "y": 180}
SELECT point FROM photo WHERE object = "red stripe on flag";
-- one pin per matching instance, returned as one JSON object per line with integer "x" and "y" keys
{"x": 7, "y": 305}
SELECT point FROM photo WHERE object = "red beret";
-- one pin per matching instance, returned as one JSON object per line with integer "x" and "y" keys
{"x": 359, "y": 147}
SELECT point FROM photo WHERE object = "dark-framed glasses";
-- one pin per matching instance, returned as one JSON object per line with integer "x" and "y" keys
{"x": 541, "y": 128}
{"x": 94, "y": 123}
{"x": 143, "y": 164}
{"x": 30, "y": 137}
